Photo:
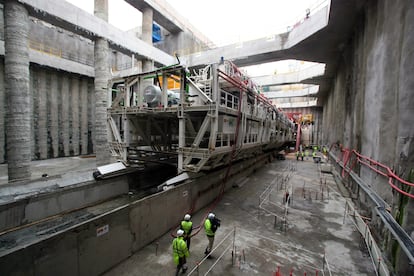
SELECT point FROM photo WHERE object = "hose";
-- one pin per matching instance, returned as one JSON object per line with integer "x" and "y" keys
{"x": 374, "y": 165}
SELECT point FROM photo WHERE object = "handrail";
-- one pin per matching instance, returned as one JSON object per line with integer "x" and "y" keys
{"x": 373, "y": 248}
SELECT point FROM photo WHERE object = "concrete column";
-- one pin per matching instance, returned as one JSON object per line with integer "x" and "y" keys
{"x": 91, "y": 117}
{"x": 102, "y": 77}
{"x": 74, "y": 148}
{"x": 53, "y": 115}
{"x": 101, "y": 9}
{"x": 64, "y": 123}
{"x": 2, "y": 114}
{"x": 41, "y": 126}
{"x": 16, "y": 29}
{"x": 33, "y": 114}
{"x": 147, "y": 20}
{"x": 84, "y": 116}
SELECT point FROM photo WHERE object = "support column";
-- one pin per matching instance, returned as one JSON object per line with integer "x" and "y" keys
{"x": 147, "y": 20}
{"x": 2, "y": 114}
{"x": 102, "y": 75}
{"x": 16, "y": 29}
{"x": 64, "y": 124}
{"x": 53, "y": 115}
{"x": 74, "y": 116}
{"x": 84, "y": 116}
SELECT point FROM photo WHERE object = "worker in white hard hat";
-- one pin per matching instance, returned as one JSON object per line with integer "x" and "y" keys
{"x": 180, "y": 252}
{"x": 187, "y": 226}
{"x": 210, "y": 226}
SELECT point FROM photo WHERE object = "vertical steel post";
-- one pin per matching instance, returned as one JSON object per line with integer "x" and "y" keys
{"x": 181, "y": 126}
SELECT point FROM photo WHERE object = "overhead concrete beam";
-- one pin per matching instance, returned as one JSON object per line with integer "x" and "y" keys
{"x": 277, "y": 47}
{"x": 170, "y": 19}
{"x": 56, "y": 62}
{"x": 310, "y": 91}
{"x": 69, "y": 17}
{"x": 162, "y": 15}
{"x": 298, "y": 104}
{"x": 291, "y": 77}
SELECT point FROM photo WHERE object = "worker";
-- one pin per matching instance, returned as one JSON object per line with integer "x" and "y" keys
{"x": 210, "y": 226}
{"x": 287, "y": 197}
{"x": 302, "y": 155}
{"x": 297, "y": 155}
{"x": 187, "y": 226}
{"x": 315, "y": 157}
{"x": 180, "y": 252}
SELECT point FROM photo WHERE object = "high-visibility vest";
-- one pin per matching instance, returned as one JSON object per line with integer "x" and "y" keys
{"x": 187, "y": 226}
{"x": 207, "y": 228}
{"x": 314, "y": 154}
{"x": 179, "y": 249}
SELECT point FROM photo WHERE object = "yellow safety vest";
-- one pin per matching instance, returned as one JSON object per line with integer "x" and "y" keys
{"x": 207, "y": 228}
{"x": 186, "y": 226}
{"x": 179, "y": 249}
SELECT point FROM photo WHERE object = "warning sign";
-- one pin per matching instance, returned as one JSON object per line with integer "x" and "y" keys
{"x": 102, "y": 230}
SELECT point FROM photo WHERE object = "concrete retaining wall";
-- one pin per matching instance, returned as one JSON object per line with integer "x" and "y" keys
{"x": 80, "y": 251}
{"x": 62, "y": 123}
{"x": 62, "y": 114}
{"x": 28, "y": 209}
{"x": 371, "y": 104}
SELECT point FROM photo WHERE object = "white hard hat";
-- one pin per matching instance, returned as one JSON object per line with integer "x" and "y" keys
{"x": 180, "y": 232}
{"x": 211, "y": 216}
{"x": 187, "y": 217}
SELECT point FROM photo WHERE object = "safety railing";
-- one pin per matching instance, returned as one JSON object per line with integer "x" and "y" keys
{"x": 373, "y": 248}
{"x": 233, "y": 241}
{"x": 266, "y": 198}
{"x": 231, "y": 235}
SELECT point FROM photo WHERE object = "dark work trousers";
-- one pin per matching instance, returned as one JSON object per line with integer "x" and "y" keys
{"x": 181, "y": 264}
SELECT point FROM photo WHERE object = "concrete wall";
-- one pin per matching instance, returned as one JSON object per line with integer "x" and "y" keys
{"x": 55, "y": 41}
{"x": 46, "y": 38}
{"x": 315, "y": 130}
{"x": 2, "y": 114}
{"x": 181, "y": 43}
{"x": 77, "y": 252}
{"x": 371, "y": 104}
{"x": 130, "y": 228}
{"x": 58, "y": 200}
{"x": 63, "y": 103}
{"x": 62, "y": 113}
